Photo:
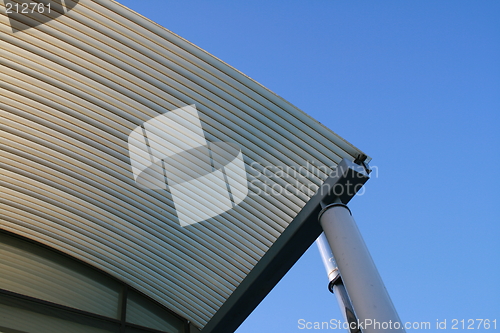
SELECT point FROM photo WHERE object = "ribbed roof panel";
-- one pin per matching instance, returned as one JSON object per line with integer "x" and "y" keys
{"x": 75, "y": 88}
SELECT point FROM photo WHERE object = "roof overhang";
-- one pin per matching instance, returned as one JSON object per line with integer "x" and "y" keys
{"x": 96, "y": 109}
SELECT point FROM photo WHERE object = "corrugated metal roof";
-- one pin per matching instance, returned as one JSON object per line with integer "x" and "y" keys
{"x": 74, "y": 89}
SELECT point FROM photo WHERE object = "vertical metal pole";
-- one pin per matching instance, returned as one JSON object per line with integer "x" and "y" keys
{"x": 370, "y": 300}
{"x": 335, "y": 284}
{"x": 328, "y": 260}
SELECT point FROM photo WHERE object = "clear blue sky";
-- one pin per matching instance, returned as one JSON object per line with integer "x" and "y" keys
{"x": 414, "y": 84}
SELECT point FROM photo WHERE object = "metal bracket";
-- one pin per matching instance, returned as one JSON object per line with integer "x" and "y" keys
{"x": 344, "y": 182}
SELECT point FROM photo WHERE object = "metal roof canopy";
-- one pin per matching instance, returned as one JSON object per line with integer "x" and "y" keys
{"x": 74, "y": 89}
